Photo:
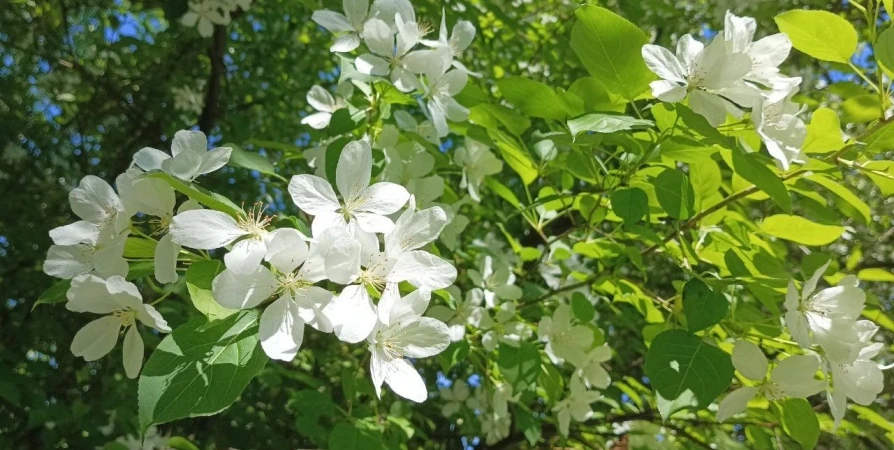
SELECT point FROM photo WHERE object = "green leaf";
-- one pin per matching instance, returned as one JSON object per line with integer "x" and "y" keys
{"x": 488, "y": 116}
{"x": 502, "y": 191}
{"x": 876, "y": 274}
{"x": 348, "y": 437}
{"x": 199, "y": 277}
{"x": 865, "y": 215}
{"x": 823, "y": 132}
{"x": 341, "y": 122}
{"x": 630, "y": 204}
{"x": 55, "y": 294}
{"x": 820, "y": 34}
{"x": 514, "y": 155}
{"x": 209, "y": 199}
{"x": 675, "y": 194}
{"x": 679, "y": 363}
{"x": 552, "y": 383}
{"x": 702, "y": 306}
{"x": 181, "y": 443}
{"x": 881, "y": 137}
{"x": 200, "y": 369}
{"x": 606, "y": 123}
{"x": 137, "y": 247}
{"x": 520, "y": 365}
{"x": 862, "y": 108}
{"x": 333, "y": 152}
{"x": 800, "y": 230}
{"x": 250, "y": 160}
{"x": 687, "y": 150}
{"x": 595, "y": 97}
{"x": 884, "y": 49}
{"x": 610, "y": 47}
{"x": 799, "y": 421}
{"x": 582, "y": 308}
{"x": 882, "y": 174}
{"x": 751, "y": 168}
{"x": 532, "y": 98}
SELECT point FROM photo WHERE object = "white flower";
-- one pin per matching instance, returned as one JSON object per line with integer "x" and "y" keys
{"x": 703, "y": 72}
{"x": 495, "y": 418}
{"x": 508, "y": 331}
{"x": 496, "y": 283}
{"x": 792, "y": 377}
{"x": 390, "y": 55}
{"x": 454, "y": 397}
{"x": 402, "y": 333}
{"x": 348, "y": 26}
{"x": 468, "y": 312}
{"x": 590, "y": 369}
{"x": 766, "y": 54}
{"x": 405, "y": 121}
{"x": 576, "y": 405}
{"x": 861, "y": 380}
{"x": 564, "y": 341}
{"x": 298, "y": 301}
{"x": 477, "y": 162}
{"x": 827, "y": 317}
{"x": 325, "y": 104}
{"x": 189, "y": 157}
{"x": 441, "y": 85}
{"x": 362, "y": 206}
{"x": 95, "y": 243}
{"x": 123, "y": 306}
{"x": 776, "y": 121}
{"x": 206, "y": 13}
{"x": 188, "y": 99}
{"x": 349, "y": 261}
{"x": 207, "y": 229}
{"x": 457, "y": 42}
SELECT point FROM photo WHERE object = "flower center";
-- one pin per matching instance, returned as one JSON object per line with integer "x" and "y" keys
{"x": 772, "y": 391}
{"x": 292, "y": 283}
{"x": 255, "y": 222}
{"x": 127, "y": 317}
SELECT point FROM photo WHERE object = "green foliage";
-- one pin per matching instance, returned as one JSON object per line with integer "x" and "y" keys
{"x": 811, "y": 32}
{"x": 675, "y": 194}
{"x": 680, "y": 364}
{"x": 200, "y": 369}
{"x": 703, "y": 307}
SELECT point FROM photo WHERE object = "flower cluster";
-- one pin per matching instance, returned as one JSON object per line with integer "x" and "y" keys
{"x": 734, "y": 72}
{"x": 205, "y": 14}
{"x": 391, "y": 36}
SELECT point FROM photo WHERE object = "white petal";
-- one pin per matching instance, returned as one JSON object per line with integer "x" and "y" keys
{"x": 710, "y": 106}
{"x": 661, "y": 61}
{"x": 770, "y": 51}
{"x": 343, "y": 261}
{"x": 728, "y": 70}
{"x": 184, "y": 166}
{"x": 346, "y": 43}
{"x": 318, "y": 121}
{"x": 393, "y": 309}
{"x": 403, "y": 379}
{"x": 423, "y": 270}
{"x": 236, "y": 291}
{"x": 149, "y": 316}
{"x": 810, "y": 284}
{"x": 736, "y": 402}
{"x": 798, "y": 328}
{"x": 314, "y": 306}
{"x": 378, "y": 37}
{"x": 88, "y": 293}
{"x": 97, "y": 338}
{"x": 312, "y": 194}
{"x": 166, "y": 252}
{"x": 152, "y": 196}
{"x": 332, "y": 21}
{"x": 286, "y": 249}
{"x": 462, "y": 35}
{"x": 204, "y": 229}
{"x": 370, "y": 64}
{"x": 668, "y": 91}
{"x": 246, "y": 256}
{"x": 214, "y": 159}
{"x": 320, "y": 99}
{"x": 795, "y": 376}
{"x": 750, "y": 360}
{"x": 94, "y": 200}
{"x": 383, "y": 198}
{"x": 353, "y": 314}
{"x": 373, "y": 223}
{"x": 354, "y": 169}
{"x": 189, "y": 141}
{"x": 846, "y": 299}
{"x": 133, "y": 352}
{"x": 150, "y": 158}
{"x": 421, "y": 338}
{"x": 377, "y": 359}
{"x": 356, "y": 11}
{"x": 80, "y": 232}
{"x": 281, "y": 329}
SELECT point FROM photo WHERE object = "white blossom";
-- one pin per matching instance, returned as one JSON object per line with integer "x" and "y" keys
{"x": 506, "y": 329}
{"x": 440, "y": 86}
{"x": 792, "y": 377}
{"x": 776, "y": 121}
{"x": 205, "y": 14}
{"x": 477, "y": 162}
{"x": 326, "y": 105}
{"x": 766, "y": 54}
{"x": 189, "y": 156}
{"x": 207, "y": 229}
{"x": 122, "y": 306}
{"x": 403, "y": 333}
{"x": 576, "y": 405}
{"x": 564, "y": 341}
{"x": 468, "y": 312}
{"x": 861, "y": 380}
{"x": 496, "y": 283}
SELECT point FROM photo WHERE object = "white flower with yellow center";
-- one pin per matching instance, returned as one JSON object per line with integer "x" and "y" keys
{"x": 792, "y": 377}
{"x": 189, "y": 156}
{"x": 123, "y": 307}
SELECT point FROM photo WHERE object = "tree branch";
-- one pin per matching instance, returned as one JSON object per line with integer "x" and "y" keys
{"x": 211, "y": 111}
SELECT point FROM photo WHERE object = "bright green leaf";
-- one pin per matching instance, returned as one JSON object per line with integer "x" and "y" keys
{"x": 823, "y": 132}
{"x": 532, "y": 98}
{"x": 876, "y": 274}
{"x": 250, "y": 160}
{"x": 606, "y": 123}
{"x": 750, "y": 167}
{"x": 820, "y": 34}
{"x": 799, "y": 421}
{"x": 844, "y": 194}
{"x": 199, "y": 277}
{"x": 209, "y": 199}
{"x": 800, "y": 230}
{"x": 675, "y": 194}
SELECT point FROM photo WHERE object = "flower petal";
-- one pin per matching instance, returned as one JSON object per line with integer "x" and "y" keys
{"x": 281, "y": 329}
{"x": 353, "y": 171}
{"x": 189, "y": 141}
{"x": 286, "y": 249}
{"x": 736, "y": 402}
{"x": 353, "y": 314}
{"x": 204, "y": 229}
{"x": 166, "y": 252}
{"x": 332, "y": 21}
{"x": 243, "y": 291}
{"x": 663, "y": 63}
{"x": 312, "y": 194}
{"x": 133, "y": 352}
{"x": 343, "y": 261}
{"x": 88, "y": 293}
{"x": 97, "y": 338}
{"x": 423, "y": 270}
{"x": 214, "y": 159}
{"x": 148, "y": 158}
{"x": 750, "y": 360}
{"x": 421, "y": 338}
{"x": 246, "y": 256}
{"x": 404, "y": 380}
{"x": 94, "y": 200}
{"x": 80, "y": 232}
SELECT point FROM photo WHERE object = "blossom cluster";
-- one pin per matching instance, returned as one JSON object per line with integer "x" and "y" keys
{"x": 205, "y": 14}
{"x": 735, "y": 72}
